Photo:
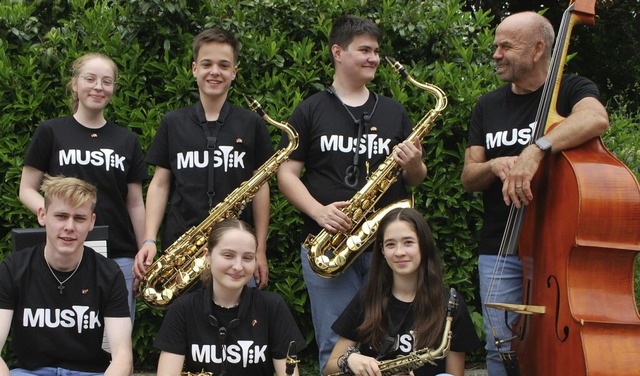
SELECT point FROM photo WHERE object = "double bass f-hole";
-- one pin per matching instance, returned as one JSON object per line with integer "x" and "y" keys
{"x": 561, "y": 335}
{"x": 552, "y": 281}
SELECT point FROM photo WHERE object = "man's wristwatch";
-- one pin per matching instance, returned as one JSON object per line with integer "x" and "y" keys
{"x": 544, "y": 145}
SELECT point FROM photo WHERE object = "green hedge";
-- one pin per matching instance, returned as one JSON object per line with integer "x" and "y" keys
{"x": 283, "y": 59}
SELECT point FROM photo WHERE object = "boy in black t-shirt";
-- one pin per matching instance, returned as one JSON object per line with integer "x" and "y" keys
{"x": 202, "y": 153}
{"x": 346, "y": 132}
{"x": 60, "y": 298}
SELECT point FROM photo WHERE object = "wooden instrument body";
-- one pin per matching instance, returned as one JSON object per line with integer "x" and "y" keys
{"x": 579, "y": 241}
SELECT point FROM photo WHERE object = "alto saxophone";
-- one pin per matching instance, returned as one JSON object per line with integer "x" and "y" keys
{"x": 331, "y": 254}
{"x": 176, "y": 271}
{"x": 402, "y": 365}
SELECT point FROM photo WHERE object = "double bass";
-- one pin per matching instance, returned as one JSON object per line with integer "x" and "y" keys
{"x": 578, "y": 240}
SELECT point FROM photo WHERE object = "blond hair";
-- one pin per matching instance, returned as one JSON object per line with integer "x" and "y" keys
{"x": 72, "y": 190}
{"x": 76, "y": 70}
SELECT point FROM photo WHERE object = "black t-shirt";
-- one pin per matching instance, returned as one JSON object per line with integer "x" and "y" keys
{"x": 264, "y": 329}
{"x": 180, "y": 145}
{"x": 109, "y": 157}
{"x": 65, "y": 330}
{"x": 328, "y": 139}
{"x": 502, "y": 122}
{"x": 464, "y": 338}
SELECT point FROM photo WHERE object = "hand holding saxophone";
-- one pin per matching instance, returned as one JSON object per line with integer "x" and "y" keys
{"x": 332, "y": 218}
{"x": 144, "y": 259}
{"x": 360, "y": 364}
{"x": 408, "y": 156}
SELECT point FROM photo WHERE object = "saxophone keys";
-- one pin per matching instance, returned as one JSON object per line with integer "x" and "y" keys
{"x": 322, "y": 262}
{"x": 199, "y": 265}
{"x": 150, "y": 293}
{"x": 337, "y": 240}
{"x": 166, "y": 273}
{"x": 354, "y": 243}
{"x": 366, "y": 205}
{"x": 183, "y": 279}
{"x": 179, "y": 260}
{"x": 369, "y": 227}
{"x": 167, "y": 295}
{"x": 308, "y": 241}
{"x": 339, "y": 260}
{"x": 200, "y": 241}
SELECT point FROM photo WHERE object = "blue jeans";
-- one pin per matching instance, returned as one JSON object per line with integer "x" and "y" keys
{"x": 126, "y": 265}
{"x": 329, "y": 297}
{"x": 50, "y": 371}
{"x": 506, "y": 289}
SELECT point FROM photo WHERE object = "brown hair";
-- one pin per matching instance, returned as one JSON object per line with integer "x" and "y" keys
{"x": 429, "y": 305}
{"x": 215, "y": 35}
{"x": 347, "y": 27}
{"x": 76, "y": 70}
{"x": 217, "y": 232}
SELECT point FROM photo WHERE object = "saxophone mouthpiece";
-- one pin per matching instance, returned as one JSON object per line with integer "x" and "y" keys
{"x": 254, "y": 104}
{"x": 292, "y": 358}
{"x": 453, "y": 301}
{"x": 397, "y": 66}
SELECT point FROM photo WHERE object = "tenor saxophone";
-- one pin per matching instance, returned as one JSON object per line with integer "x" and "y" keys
{"x": 331, "y": 254}
{"x": 177, "y": 270}
{"x": 402, "y": 365}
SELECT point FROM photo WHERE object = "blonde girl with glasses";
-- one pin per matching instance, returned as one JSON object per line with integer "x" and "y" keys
{"x": 88, "y": 146}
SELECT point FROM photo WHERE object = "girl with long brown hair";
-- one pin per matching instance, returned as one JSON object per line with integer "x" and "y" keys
{"x": 402, "y": 308}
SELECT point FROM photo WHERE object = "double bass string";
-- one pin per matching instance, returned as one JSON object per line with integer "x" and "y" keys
{"x": 511, "y": 235}
{"x": 508, "y": 246}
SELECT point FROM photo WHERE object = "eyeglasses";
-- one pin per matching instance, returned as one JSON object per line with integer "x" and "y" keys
{"x": 106, "y": 82}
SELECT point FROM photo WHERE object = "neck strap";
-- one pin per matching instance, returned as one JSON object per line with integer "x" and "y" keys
{"x": 212, "y": 143}
{"x": 352, "y": 172}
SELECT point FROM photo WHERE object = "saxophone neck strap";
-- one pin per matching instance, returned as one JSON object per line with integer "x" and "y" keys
{"x": 352, "y": 172}
{"x": 390, "y": 339}
{"x": 212, "y": 142}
